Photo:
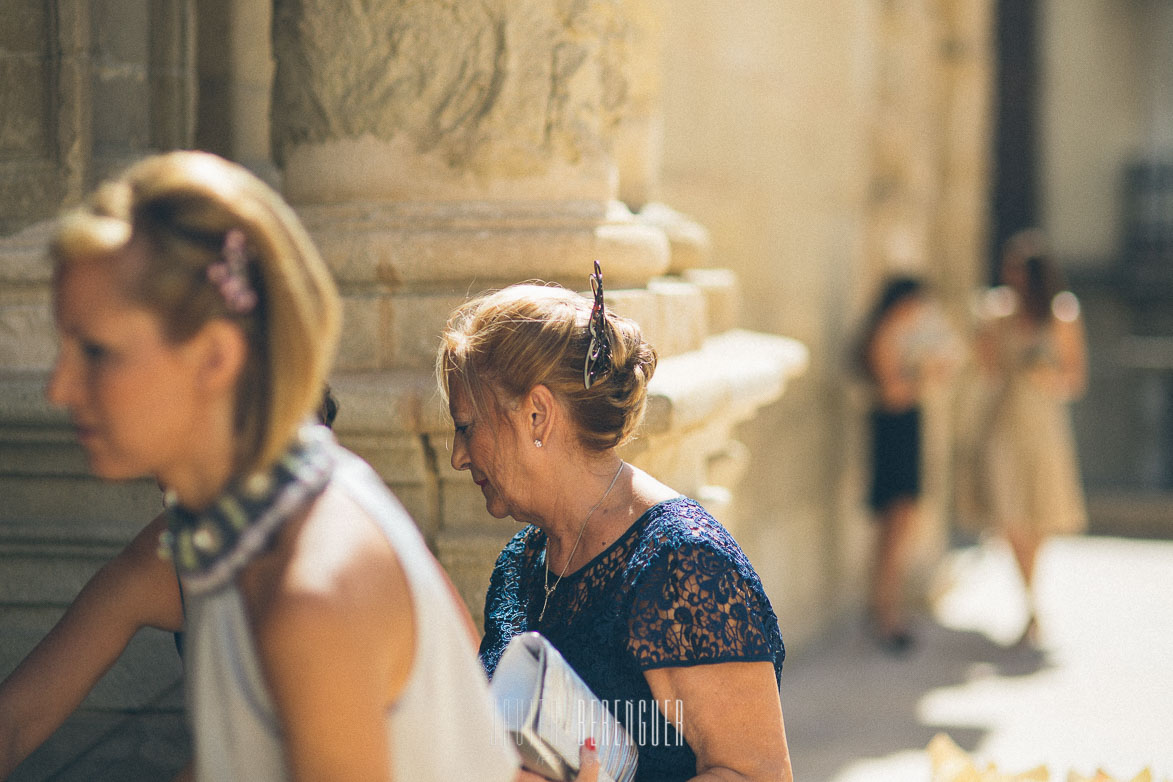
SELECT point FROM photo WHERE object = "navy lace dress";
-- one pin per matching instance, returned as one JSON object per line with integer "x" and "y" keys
{"x": 674, "y": 590}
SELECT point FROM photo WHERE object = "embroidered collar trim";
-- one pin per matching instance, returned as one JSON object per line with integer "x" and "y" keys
{"x": 210, "y": 547}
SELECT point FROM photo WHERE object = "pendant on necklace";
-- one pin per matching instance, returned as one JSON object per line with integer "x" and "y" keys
{"x": 549, "y": 590}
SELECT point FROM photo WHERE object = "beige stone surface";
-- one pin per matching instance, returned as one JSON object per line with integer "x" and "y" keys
{"x": 395, "y": 403}
{"x": 472, "y": 97}
{"x": 45, "y": 131}
{"x": 26, "y": 333}
{"x": 681, "y": 321}
{"x": 722, "y": 293}
{"x": 235, "y": 82}
{"x": 467, "y": 246}
{"x": 834, "y": 143}
{"x": 25, "y": 414}
{"x": 414, "y": 329}
{"x": 690, "y": 244}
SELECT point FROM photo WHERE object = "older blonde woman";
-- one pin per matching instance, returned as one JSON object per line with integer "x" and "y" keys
{"x": 197, "y": 326}
{"x": 644, "y": 593}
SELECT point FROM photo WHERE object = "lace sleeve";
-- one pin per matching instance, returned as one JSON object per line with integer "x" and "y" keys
{"x": 699, "y": 603}
{"x": 504, "y": 607}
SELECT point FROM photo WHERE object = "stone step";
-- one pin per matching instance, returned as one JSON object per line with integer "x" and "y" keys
{"x": 46, "y": 565}
{"x": 90, "y": 505}
{"x": 730, "y": 374}
{"x": 146, "y": 670}
{"x": 384, "y": 330}
{"x": 425, "y": 245}
{"x": 149, "y": 743}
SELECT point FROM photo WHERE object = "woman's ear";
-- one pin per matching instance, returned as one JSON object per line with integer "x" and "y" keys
{"x": 221, "y": 350}
{"x": 541, "y": 410}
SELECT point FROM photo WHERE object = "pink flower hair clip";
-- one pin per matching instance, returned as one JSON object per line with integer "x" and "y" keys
{"x": 230, "y": 274}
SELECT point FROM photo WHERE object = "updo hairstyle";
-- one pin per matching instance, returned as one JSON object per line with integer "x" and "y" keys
{"x": 178, "y": 209}
{"x": 499, "y": 346}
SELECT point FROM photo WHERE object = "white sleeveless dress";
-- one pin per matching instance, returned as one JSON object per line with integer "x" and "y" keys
{"x": 441, "y": 728}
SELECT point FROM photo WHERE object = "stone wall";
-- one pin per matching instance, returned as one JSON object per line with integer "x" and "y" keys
{"x": 823, "y": 146}
{"x": 433, "y": 149}
{"x": 742, "y": 172}
{"x": 1099, "y": 60}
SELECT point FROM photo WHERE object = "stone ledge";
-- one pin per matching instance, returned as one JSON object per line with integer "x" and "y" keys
{"x": 24, "y": 260}
{"x": 147, "y": 743}
{"x": 689, "y": 240}
{"x": 430, "y": 246}
{"x": 47, "y": 572}
{"x": 23, "y": 403}
{"x": 391, "y": 401}
{"x": 722, "y": 296}
{"x": 738, "y": 369}
{"x": 733, "y": 374}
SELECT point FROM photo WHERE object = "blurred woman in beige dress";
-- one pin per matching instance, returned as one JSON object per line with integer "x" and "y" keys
{"x": 1031, "y": 346}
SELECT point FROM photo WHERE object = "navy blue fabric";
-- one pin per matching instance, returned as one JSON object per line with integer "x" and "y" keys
{"x": 896, "y": 449}
{"x": 674, "y": 590}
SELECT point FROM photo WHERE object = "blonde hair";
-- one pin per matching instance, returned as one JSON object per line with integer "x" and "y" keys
{"x": 179, "y": 208}
{"x": 500, "y": 345}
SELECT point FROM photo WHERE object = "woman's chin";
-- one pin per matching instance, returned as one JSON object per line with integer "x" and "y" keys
{"x": 108, "y": 469}
{"x": 496, "y": 512}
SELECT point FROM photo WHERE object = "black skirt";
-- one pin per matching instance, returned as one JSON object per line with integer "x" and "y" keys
{"x": 895, "y": 457}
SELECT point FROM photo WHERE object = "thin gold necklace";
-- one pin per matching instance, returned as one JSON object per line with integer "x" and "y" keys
{"x": 549, "y": 590}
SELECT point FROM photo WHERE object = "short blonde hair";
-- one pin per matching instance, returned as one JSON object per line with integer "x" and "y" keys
{"x": 499, "y": 346}
{"x": 179, "y": 207}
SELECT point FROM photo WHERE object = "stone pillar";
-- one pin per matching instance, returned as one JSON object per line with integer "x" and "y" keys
{"x": 235, "y": 69}
{"x": 44, "y": 113}
{"x": 928, "y": 214}
{"x": 87, "y": 88}
{"x": 438, "y": 149}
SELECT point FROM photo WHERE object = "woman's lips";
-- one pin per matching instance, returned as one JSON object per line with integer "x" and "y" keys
{"x": 481, "y": 482}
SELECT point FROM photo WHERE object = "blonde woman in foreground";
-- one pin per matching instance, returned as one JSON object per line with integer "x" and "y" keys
{"x": 197, "y": 326}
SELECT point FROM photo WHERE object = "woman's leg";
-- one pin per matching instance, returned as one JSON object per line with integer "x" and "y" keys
{"x": 1025, "y": 544}
{"x": 897, "y": 527}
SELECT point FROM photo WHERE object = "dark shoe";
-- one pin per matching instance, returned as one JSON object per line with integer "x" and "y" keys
{"x": 897, "y": 643}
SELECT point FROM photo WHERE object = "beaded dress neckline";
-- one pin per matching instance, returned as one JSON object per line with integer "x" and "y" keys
{"x": 210, "y": 547}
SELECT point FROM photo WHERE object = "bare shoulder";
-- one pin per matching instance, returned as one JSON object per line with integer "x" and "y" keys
{"x": 334, "y": 589}
{"x": 142, "y": 585}
{"x": 649, "y": 491}
{"x": 143, "y": 550}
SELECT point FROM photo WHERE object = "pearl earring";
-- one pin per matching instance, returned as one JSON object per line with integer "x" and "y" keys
{"x": 537, "y": 443}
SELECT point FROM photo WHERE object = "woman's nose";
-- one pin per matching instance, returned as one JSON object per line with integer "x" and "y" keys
{"x": 459, "y": 453}
{"x": 62, "y": 381}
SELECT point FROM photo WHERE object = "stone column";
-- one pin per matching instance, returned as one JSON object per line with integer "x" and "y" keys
{"x": 87, "y": 88}
{"x": 438, "y": 149}
{"x": 236, "y": 82}
{"x": 927, "y": 215}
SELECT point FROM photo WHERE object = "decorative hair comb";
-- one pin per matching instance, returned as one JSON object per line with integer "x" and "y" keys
{"x": 230, "y": 274}
{"x": 599, "y": 351}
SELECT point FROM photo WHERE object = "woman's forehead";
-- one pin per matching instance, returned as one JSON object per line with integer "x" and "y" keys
{"x": 458, "y": 400}
{"x": 461, "y": 403}
{"x": 89, "y": 299}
